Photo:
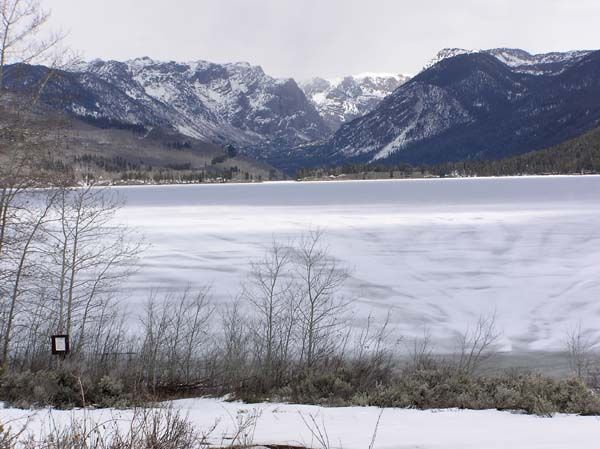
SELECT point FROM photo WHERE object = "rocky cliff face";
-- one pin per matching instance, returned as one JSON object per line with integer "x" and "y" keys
{"x": 221, "y": 103}
{"x": 342, "y": 100}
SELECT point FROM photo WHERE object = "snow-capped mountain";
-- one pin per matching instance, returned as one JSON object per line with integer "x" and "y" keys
{"x": 486, "y": 104}
{"x": 220, "y": 103}
{"x": 539, "y": 64}
{"x": 447, "y": 53}
{"x": 521, "y": 61}
{"x": 341, "y": 100}
{"x": 472, "y": 106}
{"x": 234, "y": 102}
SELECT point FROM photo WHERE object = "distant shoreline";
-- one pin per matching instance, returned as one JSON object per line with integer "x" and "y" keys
{"x": 350, "y": 180}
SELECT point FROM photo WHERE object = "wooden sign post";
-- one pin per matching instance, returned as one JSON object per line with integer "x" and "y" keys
{"x": 60, "y": 345}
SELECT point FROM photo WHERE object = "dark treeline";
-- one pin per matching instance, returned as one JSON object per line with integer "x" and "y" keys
{"x": 111, "y": 164}
{"x": 577, "y": 156}
{"x": 389, "y": 171}
{"x": 92, "y": 167}
{"x": 107, "y": 123}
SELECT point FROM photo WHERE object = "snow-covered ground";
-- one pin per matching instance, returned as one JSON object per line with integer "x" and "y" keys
{"x": 438, "y": 253}
{"x": 353, "y": 427}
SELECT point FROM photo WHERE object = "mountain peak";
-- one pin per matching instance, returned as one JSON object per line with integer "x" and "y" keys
{"x": 340, "y": 100}
{"x": 475, "y": 105}
{"x": 233, "y": 103}
{"x": 520, "y": 60}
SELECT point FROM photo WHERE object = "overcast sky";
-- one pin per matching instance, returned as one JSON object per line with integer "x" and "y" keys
{"x": 304, "y": 38}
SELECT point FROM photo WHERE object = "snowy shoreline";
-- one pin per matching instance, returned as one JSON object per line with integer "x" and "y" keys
{"x": 329, "y": 181}
{"x": 350, "y": 427}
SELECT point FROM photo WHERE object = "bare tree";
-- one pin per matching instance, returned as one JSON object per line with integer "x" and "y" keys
{"x": 90, "y": 255}
{"x": 176, "y": 336}
{"x": 196, "y": 339}
{"x": 376, "y": 340}
{"x": 321, "y": 311}
{"x": 477, "y": 344}
{"x": 580, "y": 349}
{"x": 24, "y": 38}
{"x": 269, "y": 291}
{"x": 235, "y": 351}
{"x": 421, "y": 351}
{"x": 26, "y": 244}
{"x": 23, "y": 148}
{"x": 187, "y": 333}
{"x": 109, "y": 340}
{"x": 155, "y": 322}
{"x": 66, "y": 260}
{"x": 23, "y": 151}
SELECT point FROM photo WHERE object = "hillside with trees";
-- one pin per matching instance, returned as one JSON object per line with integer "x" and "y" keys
{"x": 580, "y": 155}
{"x": 576, "y": 156}
{"x": 115, "y": 153}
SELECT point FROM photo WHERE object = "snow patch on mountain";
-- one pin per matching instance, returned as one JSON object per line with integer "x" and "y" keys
{"x": 445, "y": 54}
{"x": 224, "y": 103}
{"x": 340, "y": 100}
{"x": 520, "y": 60}
{"x": 417, "y": 112}
{"x": 479, "y": 105}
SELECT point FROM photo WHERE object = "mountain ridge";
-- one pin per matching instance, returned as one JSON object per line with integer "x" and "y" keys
{"x": 470, "y": 106}
{"x": 552, "y": 63}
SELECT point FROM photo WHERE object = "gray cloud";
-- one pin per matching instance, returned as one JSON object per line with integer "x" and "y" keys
{"x": 304, "y": 38}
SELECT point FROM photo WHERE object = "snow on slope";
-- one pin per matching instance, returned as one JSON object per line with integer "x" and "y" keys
{"x": 446, "y": 53}
{"x": 417, "y": 112}
{"x": 340, "y": 100}
{"x": 234, "y": 102}
{"x": 473, "y": 106}
{"x": 539, "y": 64}
{"x": 348, "y": 427}
{"x": 519, "y": 60}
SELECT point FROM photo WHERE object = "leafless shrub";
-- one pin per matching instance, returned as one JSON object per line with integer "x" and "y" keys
{"x": 270, "y": 294}
{"x": 148, "y": 428}
{"x": 244, "y": 429}
{"x": 477, "y": 344}
{"x": 376, "y": 342}
{"x": 322, "y": 312}
{"x": 175, "y": 335}
{"x": 158, "y": 428}
{"x": 234, "y": 351}
{"x": 319, "y": 434}
{"x": 583, "y": 359}
{"x": 10, "y": 438}
{"x": 421, "y": 351}
{"x": 318, "y": 431}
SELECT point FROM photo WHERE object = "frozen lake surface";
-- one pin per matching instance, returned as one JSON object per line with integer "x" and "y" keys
{"x": 438, "y": 253}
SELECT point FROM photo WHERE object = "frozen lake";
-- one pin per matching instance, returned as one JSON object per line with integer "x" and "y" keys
{"x": 438, "y": 253}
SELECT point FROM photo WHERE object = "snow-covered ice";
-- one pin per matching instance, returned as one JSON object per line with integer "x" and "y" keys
{"x": 352, "y": 427}
{"x": 438, "y": 253}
